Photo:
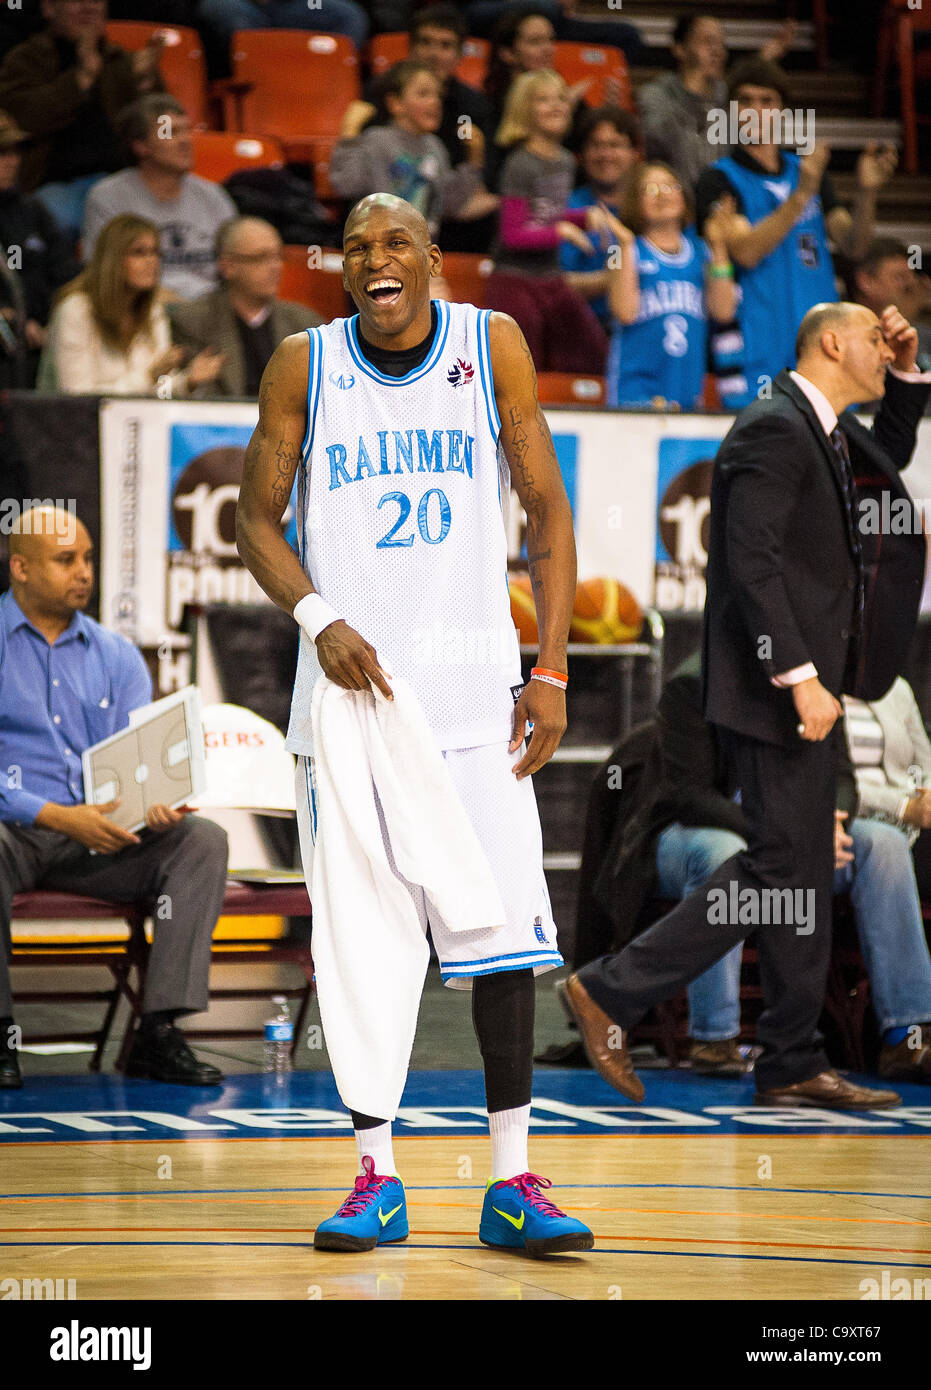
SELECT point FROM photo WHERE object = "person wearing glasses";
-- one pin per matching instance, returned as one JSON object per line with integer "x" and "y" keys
{"x": 664, "y": 284}
{"x": 187, "y": 209}
{"x": 109, "y": 333}
{"x": 243, "y": 319}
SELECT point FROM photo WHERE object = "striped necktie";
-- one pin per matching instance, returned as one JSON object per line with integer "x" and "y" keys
{"x": 839, "y": 444}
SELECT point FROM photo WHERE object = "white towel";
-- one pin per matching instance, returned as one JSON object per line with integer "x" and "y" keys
{"x": 370, "y": 953}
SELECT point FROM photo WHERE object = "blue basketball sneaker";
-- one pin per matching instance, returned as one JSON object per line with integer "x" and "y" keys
{"x": 374, "y": 1213}
{"x": 516, "y": 1216}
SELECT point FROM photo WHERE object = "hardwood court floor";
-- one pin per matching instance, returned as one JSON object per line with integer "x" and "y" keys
{"x": 674, "y": 1216}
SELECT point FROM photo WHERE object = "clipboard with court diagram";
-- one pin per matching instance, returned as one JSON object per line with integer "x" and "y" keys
{"x": 157, "y": 760}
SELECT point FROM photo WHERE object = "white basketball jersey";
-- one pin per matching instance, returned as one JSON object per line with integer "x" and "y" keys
{"x": 400, "y": 524}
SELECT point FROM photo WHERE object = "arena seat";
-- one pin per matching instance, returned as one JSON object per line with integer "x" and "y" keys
{"x": 319, "y": 286}
{"x": 219, "y": 153}
{"x": 122, "y": 949}
{"x": 473, "y": 65}
{"x": 385, "y": 49}
{"x": 899, "y": 24}
{"x": 570, "y": 388}
{"x": 601, "y": 67}
{"x": 467, "y": 275}
{"x": 182, "y": 65}
{"x": 295, "y": 85}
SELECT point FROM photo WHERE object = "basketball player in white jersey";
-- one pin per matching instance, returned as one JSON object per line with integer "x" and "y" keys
{"x": 401, "y": 424}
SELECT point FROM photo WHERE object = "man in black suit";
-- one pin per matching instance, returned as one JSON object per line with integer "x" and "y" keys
{"x": 803, "y": 604}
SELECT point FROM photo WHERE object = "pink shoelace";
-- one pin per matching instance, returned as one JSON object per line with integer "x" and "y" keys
{"x": 528, "y": 1184}
{"x": 367, "y": 1188}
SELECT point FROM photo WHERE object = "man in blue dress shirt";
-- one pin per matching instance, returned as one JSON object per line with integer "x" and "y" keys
{"x": 65, "y": 684}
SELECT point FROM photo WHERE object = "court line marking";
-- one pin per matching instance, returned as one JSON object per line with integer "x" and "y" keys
{"x": 461, "y": 1187}
{"x": 304, "y": 1200}
{"x": 407, "y": 1245}
{"x": 829, "y": 1132}
{"x": 297, "y": 1230}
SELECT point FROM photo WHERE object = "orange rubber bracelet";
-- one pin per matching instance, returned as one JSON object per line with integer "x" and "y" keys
{"x": 559, "y": 676}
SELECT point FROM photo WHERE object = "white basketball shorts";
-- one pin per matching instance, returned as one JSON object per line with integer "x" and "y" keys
{"x": 504, "y": 815}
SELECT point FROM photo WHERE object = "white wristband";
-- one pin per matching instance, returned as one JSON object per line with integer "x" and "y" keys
{"x": 314, "y": 614}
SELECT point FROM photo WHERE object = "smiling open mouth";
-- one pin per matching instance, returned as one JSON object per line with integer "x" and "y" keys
{"x": 385, "y": 291}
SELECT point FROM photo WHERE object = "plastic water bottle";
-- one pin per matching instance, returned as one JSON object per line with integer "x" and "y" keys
{"x": 279, "y": 1032}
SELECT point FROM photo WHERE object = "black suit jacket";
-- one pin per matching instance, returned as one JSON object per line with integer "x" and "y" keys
{"x": 781, "y": 572}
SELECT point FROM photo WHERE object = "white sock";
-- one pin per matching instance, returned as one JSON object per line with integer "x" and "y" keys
{"x": 508, "y": 1129}
{"x": 376, "y": 1143}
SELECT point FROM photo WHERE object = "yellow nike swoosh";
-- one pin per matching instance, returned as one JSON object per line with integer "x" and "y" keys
{"x": 513, "y": 1219}
{"x": 384, "y": 1219}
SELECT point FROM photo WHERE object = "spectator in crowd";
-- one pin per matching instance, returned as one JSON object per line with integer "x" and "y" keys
{"x": 65, "y": 87}
{"x": 561, "y": 330}
{"x": 109, "y": 332}
{"x": 609, "y": 151}
{"x": 187, "y": 209}
{"x": 662, "y": 289}
{"x": 243, "y": 320}
{"x": 873, "y": 862}
{"x": 779, "y": 235}
{"x": 35, "y": 261}
{"x": 568, "y": 23}
{"x": 437, "y": 34}
{"x": 67, "y": 684}
{"x": 405, "y": 156}
{"x": 674, "y": 108}
{"x": 886, "y": 275}
{"x": 219, "y": 19}
{"x": 523, "y": 41}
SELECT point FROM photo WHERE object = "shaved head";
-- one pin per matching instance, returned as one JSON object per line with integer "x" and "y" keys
{"x": 43, "y": 524}
{"x": 823, "y": 316}
{"x": 404, "y": 213}
{"x": 51, "y": 566}
{"x": 389, "y": 258}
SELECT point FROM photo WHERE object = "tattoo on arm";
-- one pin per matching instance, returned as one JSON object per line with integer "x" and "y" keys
{"x": 288, "y": 458}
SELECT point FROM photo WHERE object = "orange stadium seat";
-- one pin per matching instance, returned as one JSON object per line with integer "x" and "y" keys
{"x": 299, "y": 84}
{"x": 474, "y": 62}
{"x": 467, "y": 276}
{"x": 385, "y": 49}
{"x": 320, "y": 287}
{"x": 601, "y": 67}
{"x": 899, "y": 24}
{"x": 570, "y": 388}
{"x": 182, "y": 62}
{"x": 219, "y": 153}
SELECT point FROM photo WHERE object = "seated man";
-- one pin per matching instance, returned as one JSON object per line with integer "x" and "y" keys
{"x": 243, "y": 319}
{"x": 872, "y": 862}
{"x": 188, "y": 210}
{"x": 65, "y": 684}
{"x": 65, "y": 87}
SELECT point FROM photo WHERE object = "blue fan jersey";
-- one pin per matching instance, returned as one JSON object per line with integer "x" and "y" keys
{"x": 775, "y": 295}
{"x": 664, "y": 352}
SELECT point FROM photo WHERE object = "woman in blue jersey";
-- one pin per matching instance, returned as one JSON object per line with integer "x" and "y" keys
{"x": 663, "y": 285}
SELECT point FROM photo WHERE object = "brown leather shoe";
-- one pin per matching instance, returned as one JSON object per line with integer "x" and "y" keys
{"x": 723, "y": 1058}
{"x": 829, "y": 1091}
{"x": 605, "y": 1045}
{"x": 906, "y": 1062}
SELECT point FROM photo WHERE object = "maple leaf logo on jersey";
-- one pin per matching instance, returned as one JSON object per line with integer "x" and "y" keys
{"x": 460, "y": 373}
